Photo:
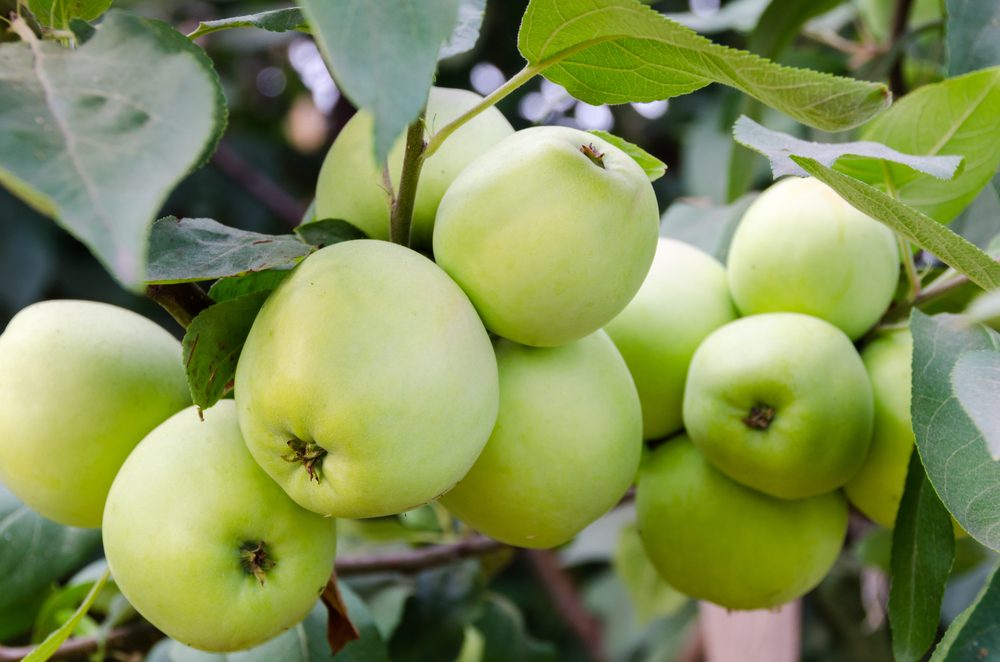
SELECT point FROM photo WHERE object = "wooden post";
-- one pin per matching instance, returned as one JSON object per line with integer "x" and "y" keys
{"x": 751, "y": 636}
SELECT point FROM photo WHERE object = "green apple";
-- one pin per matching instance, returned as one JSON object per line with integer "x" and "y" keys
{"x": 780, "y": 402}
{"x": 351, "y": 187}
{"x": 204, "y": 544}
{"x": 878, "y": 487}
{"x": 684, "y": 298}
{"x": 367, "y": 385}
{"x": 82, "y": 383}
{"x": 565, "y": 448}
{"x": 550, "y": 233}
{"x": 716, "y": 540}
{"x": 801, "y": 248}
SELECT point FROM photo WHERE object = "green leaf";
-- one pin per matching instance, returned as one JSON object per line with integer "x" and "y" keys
{"x": 35, "y": 551}
{"x": 973, "y": 35}
{"x": 618, "y": 51}
{"x": 466, "y": 32}
{"x": 193, "y": 249}
{"x": 952, "y": 449}
{"x": 974, "y": 634}
{"x": 923, "y": 550}
{"x": 651, "y": 596}
{"x": 504, "y": 636}
{"x": 58, "y": 13}
{"x": 276, "y": 20}
{"x": 212, "y": 345}
{"x": 232, "y": 287}
{"x": 328, "y": 232}
{"x": 952, "y": 249}
{"x": 704, "y": 226}
{"x": 98, "y": 136}
{"x": 52, "y": 643}
{"x": 383, "y": 55}
{"x": 778, "y": 147}
{"x": 976, "y": 380}
{"x": 957, "y": 116}
{"x": 652, "y": 166}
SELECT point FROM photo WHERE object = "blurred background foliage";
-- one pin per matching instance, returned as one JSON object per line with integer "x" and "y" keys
{"x": 284, "y": 113}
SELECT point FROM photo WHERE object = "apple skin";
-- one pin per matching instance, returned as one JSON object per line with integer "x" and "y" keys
{"x": 371, "y": 352}
{"x": 684, "y": 298}
{"x": 801, "y": 248}
{"x": 714, "y": 539}
{"x": 877, "y": 488}
{"x": 82, "y": 383}
{"x": 565, "y": 448}
{"x": 548, "y": 245}
{"x": 350, "y": 185}
{"x": 176, "y": 553}
{"x": 811, "y": 378}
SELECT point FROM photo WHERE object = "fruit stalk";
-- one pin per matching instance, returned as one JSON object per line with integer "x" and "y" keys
{"x": 182, "y": 300}
{"x": 402, "y": 204}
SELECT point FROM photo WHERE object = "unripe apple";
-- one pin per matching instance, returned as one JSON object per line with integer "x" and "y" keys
{"x": 204, "y": 544}
{"x": 780, "y": 402}
{"x": 81, "y": 384}
{"x": 550, "y": 233}
{"x": 351, "y": 187}
{"x": 684, "y": 298}
{"x": 801, "y": 248}
{"x": 565, "y": 448}
{"x": 716, "y": 540}
{"x": 367, "y": 385}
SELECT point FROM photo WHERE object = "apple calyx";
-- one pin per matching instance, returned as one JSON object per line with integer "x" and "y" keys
{"x": 255, "y": 559}
{"x": 597, "y": 158}
{"x": 760, "y": 417}
{"x": 309, "y": 454}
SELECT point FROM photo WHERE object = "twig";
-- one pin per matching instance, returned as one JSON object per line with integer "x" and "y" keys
{"x": 182, "y": 300}
{"x": 402, "y": 205}
{"x": 900, "y": 17}
{"x": 567, "y": 601}
{"x": 418, "y": 559}
{"x": 256, "y": 183}
{"x": 131, "y": 635}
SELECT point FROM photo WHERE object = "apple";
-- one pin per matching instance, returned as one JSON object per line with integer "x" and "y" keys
{"x": 351, "y": 186}
{"x": 801, "y": 248}
{"x": 877, "y": 488}
{"x": 780, "y": 402}
{"x": 550, "y": 233}
{"x": 716, "y": 540}
{"x": 565, "y": 448}
{"x": 367, "y": 385}
{"x": 82, "y": 383}
{"x": 204, "y": 544}
{"x": 684, "y": 298}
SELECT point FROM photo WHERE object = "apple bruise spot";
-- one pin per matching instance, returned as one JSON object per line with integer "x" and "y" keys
{"x": 760, "y": 417}
{"x": 255, "y": 559}
{"x": 597, "y": 158}
{"x": 307, "y": 453}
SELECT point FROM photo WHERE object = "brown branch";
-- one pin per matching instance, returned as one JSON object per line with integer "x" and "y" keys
{"x": 402, "y": 205}
{"x": 230, "y": 163}
{"x": 182, "y": 300}
{"x": 900, "y": 17}
{"x": 139, "y": 635}
{"x": 418, "y": 559}
{"x": 567, "y": 601}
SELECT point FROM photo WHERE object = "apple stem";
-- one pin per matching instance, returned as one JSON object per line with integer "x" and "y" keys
{"x": 309, "y": 454}
{"x": 255, "y": 559}
{"x": 402, "y": 205}
{"x": 760, "y": 417}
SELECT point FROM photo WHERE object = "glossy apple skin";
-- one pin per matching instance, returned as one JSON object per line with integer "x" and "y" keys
{"x": 812, "y": 379}
{"x": 548, "y": 245}
{"x": 81, "y": 384}
{"x": 716, "y": 540}
{"x": 565, "y": 448}
{"x": 350, "y": 185}
{"x": 801, "y": 248}
{"x": 684, "y": 298}
{"x": 370, "y": 351}
{"x": 877, "y": 488}
{"x": 183, "y": 506}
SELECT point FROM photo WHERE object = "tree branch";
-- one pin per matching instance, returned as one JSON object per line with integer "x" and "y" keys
{"x": 900, "y": 17}
{"x": 182, "y": 300}
{"x": 138, "y": 635}
{"x": 402, "y": 204}
{"x": 418, "y": 559}
{"x": 567, "y": 601}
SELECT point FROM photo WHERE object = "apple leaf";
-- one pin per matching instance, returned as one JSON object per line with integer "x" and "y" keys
{"x": 957, "y": 116}
{"x": 58, "y": 13}
{"x": 505, "y": 637}
{"x": 212, "y": 345}
{"x": 383, "y": 55}
{"x": 973, "y": 40}
{"x": 101, "y": 157}
{"x": 779, "y": 147}
{"x": 340, "y": 631}
{"x": 36, "y": 551}
{"x": 652, "y": 166}
{"x": 925, "y": 232}
{"x": 276, "y": 20}
{"x": 327, "y": 232}
{"x": 973, "y": 635}
{"x": 923, "y": 550}
{"x": 952, "y": 448}
{"x": 194, "y": 249}
{"x": 466, "y": 31}
{"x": 976, "y": 380}
{"x": 703, "y": 225}
{"x": 47, "y": 648}
{"x": 233, "y": 287}
{"x": 619, "y": 51}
